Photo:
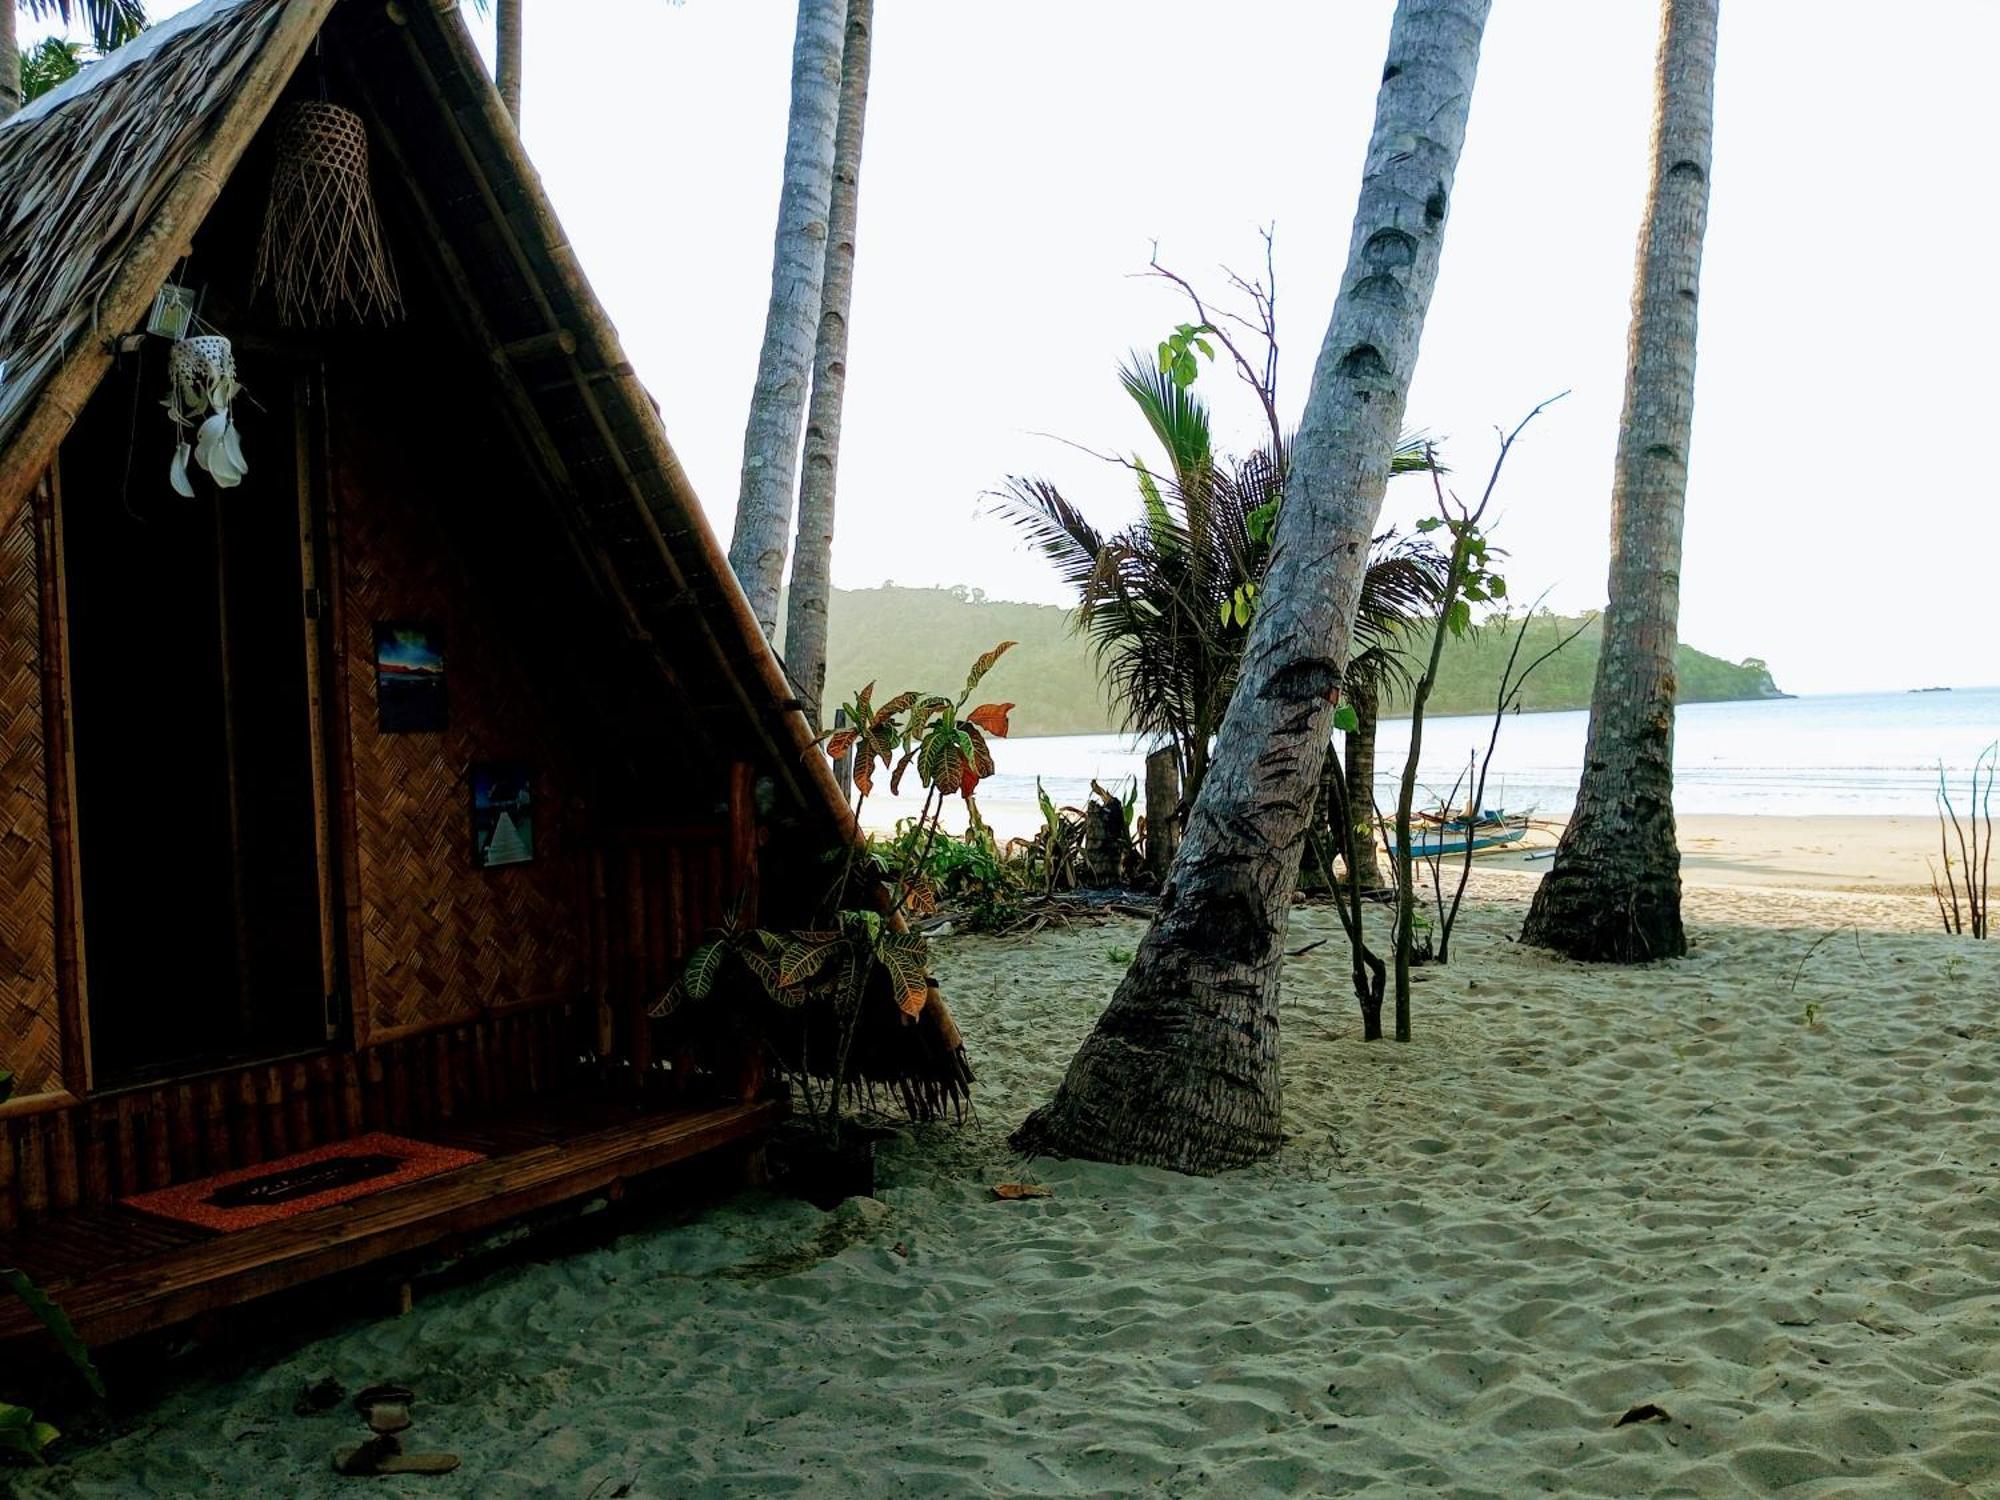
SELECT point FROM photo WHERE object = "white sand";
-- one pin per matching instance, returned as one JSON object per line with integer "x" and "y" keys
{"x": 1579, "y": 1190}
{"x": 1830, "y": 853}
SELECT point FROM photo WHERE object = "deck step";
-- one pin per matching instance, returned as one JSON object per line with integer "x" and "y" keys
{"x": 170, "y": 1281}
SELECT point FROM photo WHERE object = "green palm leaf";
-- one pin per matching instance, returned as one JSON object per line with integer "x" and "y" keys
{"x": 112, "y": 23}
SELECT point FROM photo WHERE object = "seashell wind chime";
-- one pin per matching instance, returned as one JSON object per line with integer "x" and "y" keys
{"x": 201, "y": 382}
{"x": 323, "y": 255}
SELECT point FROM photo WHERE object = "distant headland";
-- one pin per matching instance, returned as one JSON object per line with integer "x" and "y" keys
{"x": 908, "y": 636}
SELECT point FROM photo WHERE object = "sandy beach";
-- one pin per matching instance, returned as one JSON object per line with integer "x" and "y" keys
{"x": 1753, "y": 1189}
{"x": 1827, "y": 853}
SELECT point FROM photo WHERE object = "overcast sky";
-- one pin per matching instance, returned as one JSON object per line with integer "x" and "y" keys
{"x": 1021, "y": 161}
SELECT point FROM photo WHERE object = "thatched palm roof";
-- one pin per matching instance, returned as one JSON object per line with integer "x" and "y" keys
{"x": 104, "y": 183}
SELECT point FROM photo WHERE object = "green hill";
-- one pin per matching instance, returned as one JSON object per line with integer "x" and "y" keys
{"x": 1469, "y": 674}
{"x": 925, "y": 638}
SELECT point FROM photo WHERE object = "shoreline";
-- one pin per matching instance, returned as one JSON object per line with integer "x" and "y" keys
{"x": 1857, "y": 853}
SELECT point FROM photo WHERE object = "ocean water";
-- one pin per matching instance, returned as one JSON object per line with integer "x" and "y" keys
{"x": 1854, "y": 753}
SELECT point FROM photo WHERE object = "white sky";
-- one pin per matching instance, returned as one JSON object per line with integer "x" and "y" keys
{"x": 1021, "y": 161}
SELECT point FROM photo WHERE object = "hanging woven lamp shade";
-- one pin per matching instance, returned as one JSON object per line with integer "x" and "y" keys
{"x": 322, "y": 254}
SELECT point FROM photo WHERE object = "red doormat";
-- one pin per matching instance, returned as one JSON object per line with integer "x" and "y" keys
{"x": 249, "y": 1196}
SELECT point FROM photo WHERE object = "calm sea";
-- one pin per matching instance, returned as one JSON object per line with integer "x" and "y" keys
{"x": 1859, "y": 753}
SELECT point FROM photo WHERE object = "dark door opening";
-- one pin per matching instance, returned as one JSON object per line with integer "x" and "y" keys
{"x": 193, "y": 740}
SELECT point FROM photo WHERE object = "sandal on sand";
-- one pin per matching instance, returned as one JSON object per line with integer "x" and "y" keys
{"x": 385, "y": 1455}
{"x": 385, "y": 1408}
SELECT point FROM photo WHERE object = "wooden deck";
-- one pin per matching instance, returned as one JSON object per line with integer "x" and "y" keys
{"x": 118, "y": 1272}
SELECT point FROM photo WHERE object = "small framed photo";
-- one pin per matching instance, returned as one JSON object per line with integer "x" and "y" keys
{"x": 503, "y": 814}
{"x": 173, "y": 312}
{"x": 409, "y": 678}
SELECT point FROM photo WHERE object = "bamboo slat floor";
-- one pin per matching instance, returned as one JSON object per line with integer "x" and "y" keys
{"x": 118, "y": 1272}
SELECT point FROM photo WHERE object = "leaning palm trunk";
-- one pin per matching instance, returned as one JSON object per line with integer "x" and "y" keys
{"x": 784, "y": 364}
{"x": 1614, "y": 891}
{"x": 1182, "y": 1069}
{"x": 507, "y": 21}
{"x": 812, "y": 556}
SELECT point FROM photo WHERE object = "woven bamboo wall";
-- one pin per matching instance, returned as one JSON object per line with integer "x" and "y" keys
{"x": 30, "y": 1030}
{"x": 442, "y": 940}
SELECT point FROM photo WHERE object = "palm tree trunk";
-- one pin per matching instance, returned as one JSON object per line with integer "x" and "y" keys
{"x": 507, "y": 55}
{"x": 812, "y": 556}
{"x": 1614, "y": 891}
{"x": 10, "y": 61}
{"x": 1358, "y": 763}
{"x": 784, "y": 364}
{"x": 1182, "y": 1068}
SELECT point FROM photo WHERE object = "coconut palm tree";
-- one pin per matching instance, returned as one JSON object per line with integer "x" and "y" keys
{"x": 812, "y": 555}
{"x": 1614, "y": 890}
{"x": 508, "y": 21}
{"x": 112, "y": 23}
{"x": 791, "y": 323}
{"x": 1167, "y": 601}
{"x": 1181, "y": 1070}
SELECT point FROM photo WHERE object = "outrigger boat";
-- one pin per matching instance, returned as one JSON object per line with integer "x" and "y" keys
{"x": 1449, "y": 835}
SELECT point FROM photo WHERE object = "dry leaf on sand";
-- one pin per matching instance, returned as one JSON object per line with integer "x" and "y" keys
{"x": 1022, "y": 1190}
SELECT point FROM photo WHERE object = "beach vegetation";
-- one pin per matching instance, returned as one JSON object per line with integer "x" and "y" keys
{"x": 1471, "y": 576}
{"x": 1049, "y": 859}
{"x": 1961, "y": 881}
{"x": 1167, "y": 601}
{"x": 966, "y": 873}
{"x": 820, "y": 978}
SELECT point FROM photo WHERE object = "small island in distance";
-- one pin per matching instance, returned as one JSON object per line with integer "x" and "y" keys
{"x": 894, "y": 634}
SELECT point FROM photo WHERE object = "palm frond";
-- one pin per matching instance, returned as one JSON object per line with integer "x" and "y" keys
{"x": 51, "y": 62}
{"x": 1178, "y": 417}
{"x": 112, "y": 23}
{"x": 1154, "y": 599}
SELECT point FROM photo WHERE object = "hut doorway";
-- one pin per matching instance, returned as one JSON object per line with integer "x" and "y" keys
{"x": 191, "y": 665}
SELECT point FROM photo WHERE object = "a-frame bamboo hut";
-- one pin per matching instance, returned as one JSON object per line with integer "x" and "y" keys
{"x": 259, "y": 894}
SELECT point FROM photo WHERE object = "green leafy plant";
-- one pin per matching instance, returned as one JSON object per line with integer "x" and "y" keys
{"x": 825, "y": 973}
{"x": 967, "y": 874}
{"x": 1178, "y": 350}
{"x": 22, "y": 1434}
{"x": 1049, "y": 859}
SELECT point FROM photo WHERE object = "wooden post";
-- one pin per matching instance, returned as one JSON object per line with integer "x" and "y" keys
{"x": 59, "y": 761}
{"x": 1163, "y": 807}
{"x": 742, "y": 840}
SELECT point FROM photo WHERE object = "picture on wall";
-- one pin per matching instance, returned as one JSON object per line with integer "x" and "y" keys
{"x": 409, "y": 678}
{"x": 503, "y": 814}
